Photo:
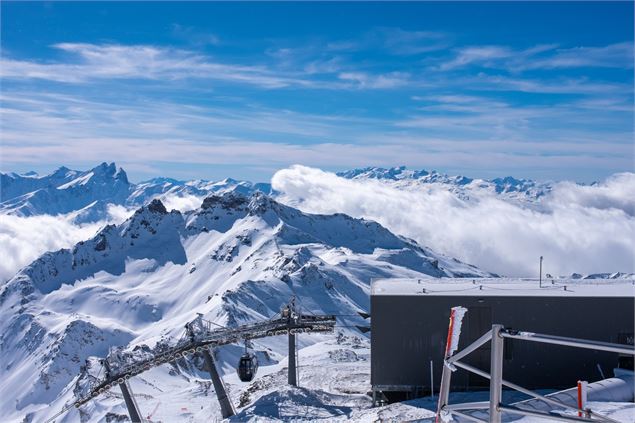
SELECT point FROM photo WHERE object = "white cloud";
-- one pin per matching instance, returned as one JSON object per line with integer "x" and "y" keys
{"x": 23, "y": 239}
{"x": 579, "y": 229}
{"x": 618, "y": 55}
{"x": 117, "y": 213}
{"x": 477, "y": 54}
{"x": 364, "y": 80}
{"x": 393, "y": 41}
{"x": 38, "y": 126}
{"x": 616, "y": 192}
{"x": 181, "y": 203}
{"x": 115, "y": 61}
{"x": 111, "y": 62}
{"x": 582, "y": 85}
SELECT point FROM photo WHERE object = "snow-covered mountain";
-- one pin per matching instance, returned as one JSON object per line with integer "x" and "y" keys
{"x": 63, "y": 191}
{"x": 88, "y": 194}
{"x": 235, "y": 259}
{"x": 509, "y": 188}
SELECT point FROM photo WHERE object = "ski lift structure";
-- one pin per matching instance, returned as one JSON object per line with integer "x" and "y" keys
{"x": 200, "y": 337}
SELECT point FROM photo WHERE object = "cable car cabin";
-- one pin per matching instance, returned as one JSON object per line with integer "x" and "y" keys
{"x": 247, "y": 367}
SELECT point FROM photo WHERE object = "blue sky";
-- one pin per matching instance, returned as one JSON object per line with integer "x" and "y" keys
{"x": 210, "y": 90}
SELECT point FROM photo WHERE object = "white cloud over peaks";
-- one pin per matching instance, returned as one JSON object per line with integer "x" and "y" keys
{"x": 578, "y": 229}
{"x": 23, "y": 239}
{"x": 182, "y": 203}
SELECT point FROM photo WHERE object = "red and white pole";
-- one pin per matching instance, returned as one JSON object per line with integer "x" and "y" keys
{"x": 582, "y": 397}
{"x": 448, "y": 343}
{"x": 451, "y": 345}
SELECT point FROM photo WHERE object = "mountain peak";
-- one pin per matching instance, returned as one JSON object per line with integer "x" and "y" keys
{"x": 110, "y": 170}
{"x": 60, "y": 171}
{"x": 260, "y": 203}
{"x": 230, "y": 201}
{"x": 156, "y": 206}
{"x": 110, "y": 167}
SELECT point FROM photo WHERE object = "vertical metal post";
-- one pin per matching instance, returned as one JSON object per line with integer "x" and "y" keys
{"x": 292, "y": 364}
{"x": 540, "y": 277}
{"x": 496, "y": 373}
{"x": 131, "y": 404}
{"x": 226, "y": 407}
{"x": 444, "y": 389}
{"x": 431, "y": 380}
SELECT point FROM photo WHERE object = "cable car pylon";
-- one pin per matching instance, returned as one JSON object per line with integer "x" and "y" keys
{"x": 128, "y": 397}
{"x": 226, "y": 407}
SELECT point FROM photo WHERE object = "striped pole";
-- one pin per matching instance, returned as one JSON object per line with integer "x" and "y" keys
{"x": 582, "y": 396}
{"x": 451, "y": 345}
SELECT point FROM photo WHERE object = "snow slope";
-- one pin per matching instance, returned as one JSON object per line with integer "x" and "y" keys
{"x": 235, "y": 259}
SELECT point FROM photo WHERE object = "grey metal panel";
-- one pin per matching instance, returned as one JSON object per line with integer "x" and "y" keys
{"x": 409, "y": 331}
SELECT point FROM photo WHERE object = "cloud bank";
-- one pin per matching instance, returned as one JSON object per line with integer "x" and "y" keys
{"x": 23, "y": 239}
{"x": 584, "y": 229}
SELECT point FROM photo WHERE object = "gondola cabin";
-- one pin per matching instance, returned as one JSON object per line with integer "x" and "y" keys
{"x": 247, "y": 367}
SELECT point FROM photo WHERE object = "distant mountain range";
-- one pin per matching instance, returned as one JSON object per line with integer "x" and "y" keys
{"x": 508, "y": 188}
{"x": 87, "y": 194}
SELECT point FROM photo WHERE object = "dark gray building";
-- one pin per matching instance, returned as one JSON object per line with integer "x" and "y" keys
{"x": 410, "y": 318}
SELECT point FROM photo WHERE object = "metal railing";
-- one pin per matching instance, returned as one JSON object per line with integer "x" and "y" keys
{"x": 495, "y": 405}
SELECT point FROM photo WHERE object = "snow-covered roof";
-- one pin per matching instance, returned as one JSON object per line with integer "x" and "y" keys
{"x": 504, "y": 287}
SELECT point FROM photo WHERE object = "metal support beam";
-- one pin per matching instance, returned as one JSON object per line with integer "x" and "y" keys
{"x": 472, "y": 347}
{"x": 444, "y": 389}
{"x": 293, "y": 381}
{"x": 496, "y": 369}
{"x": 481, "y": 405}
{"x": 570, "y": 342}
{"x": 469, "y": 417}
{"x": 131, "y": 404}
{"x": 516, "y": 387}
{"x": 226, "y": 407}
{"x": 546, "y": 416}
